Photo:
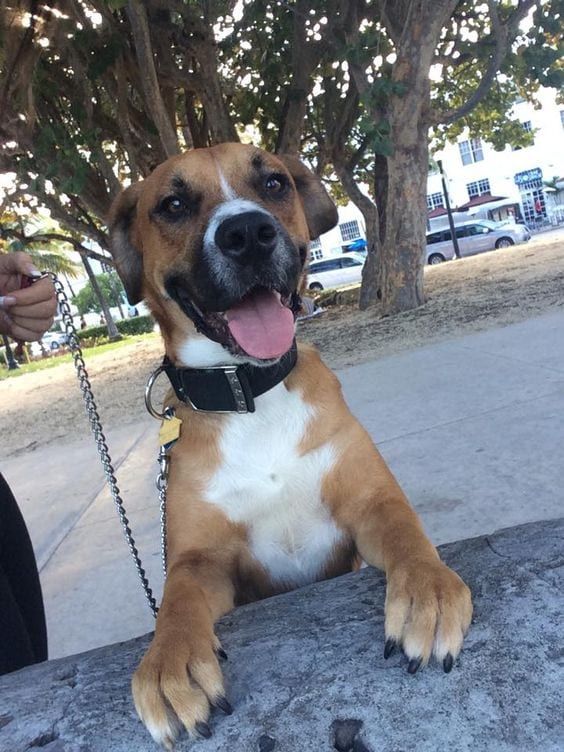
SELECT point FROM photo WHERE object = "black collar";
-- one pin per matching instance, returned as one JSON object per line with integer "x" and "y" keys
{"x": 227, "y": 389}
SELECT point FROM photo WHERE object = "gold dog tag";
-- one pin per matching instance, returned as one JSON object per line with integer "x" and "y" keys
{"x": 169, "y": 431}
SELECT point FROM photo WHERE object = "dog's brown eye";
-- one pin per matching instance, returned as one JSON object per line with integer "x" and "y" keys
{"x": 276, "y": 185}
{"x": 172, "y": 205}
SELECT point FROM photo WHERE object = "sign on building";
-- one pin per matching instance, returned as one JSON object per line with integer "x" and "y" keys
{"x": 529, "y": 176}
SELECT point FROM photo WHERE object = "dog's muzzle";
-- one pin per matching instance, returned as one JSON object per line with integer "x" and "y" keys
{"x": 242, "y": 292}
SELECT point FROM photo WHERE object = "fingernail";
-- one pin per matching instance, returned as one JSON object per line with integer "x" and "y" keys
{"x": 447, "y": 663}
{"x": 389, "y": 647}
{"x": 31, "y": 271}
{"x": 7, "y": 300}
{"x": 203, "y": 729}
{"x": 223, "y": 704}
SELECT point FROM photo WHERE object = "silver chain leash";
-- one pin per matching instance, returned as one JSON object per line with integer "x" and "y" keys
{"x": 162, "y": 485}
{"x": 96, "y": 428}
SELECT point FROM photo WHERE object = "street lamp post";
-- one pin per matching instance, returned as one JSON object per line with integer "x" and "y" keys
{"x": 449, "y": 210}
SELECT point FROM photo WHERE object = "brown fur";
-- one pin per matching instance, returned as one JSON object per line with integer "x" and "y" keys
{"x": 211, "y": 567}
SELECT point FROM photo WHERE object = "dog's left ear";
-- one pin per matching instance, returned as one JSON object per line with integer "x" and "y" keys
{"x": 128, "y": 258}
{"x": 319, "y": 209}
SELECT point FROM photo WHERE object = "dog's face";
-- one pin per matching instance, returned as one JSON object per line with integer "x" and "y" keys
{"x": 218, "y": 238}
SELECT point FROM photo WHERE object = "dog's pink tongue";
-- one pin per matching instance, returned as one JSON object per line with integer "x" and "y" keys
{"x": 261, "y": 325}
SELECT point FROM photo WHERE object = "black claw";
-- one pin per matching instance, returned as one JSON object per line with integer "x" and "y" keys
{"x": 414, "y": 664}
{"x": 447, "y": 663}
{"x": 389, "y": 647}
{"x": 222, "y": 654}
{"x": 223, "y": 704}
{"x": 203, "y": 729}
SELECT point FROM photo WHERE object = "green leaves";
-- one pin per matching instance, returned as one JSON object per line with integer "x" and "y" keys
{"x": 112, "y": 290}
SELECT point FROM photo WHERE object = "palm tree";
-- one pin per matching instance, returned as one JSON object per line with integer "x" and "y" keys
{"x": 47, "y": 255}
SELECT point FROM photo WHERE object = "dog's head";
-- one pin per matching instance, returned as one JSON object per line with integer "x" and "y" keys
{"x": 216, "y": 239}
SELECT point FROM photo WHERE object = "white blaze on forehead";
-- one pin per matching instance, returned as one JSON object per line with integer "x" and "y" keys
{"x": 232, "y": 206}
{"x": 228, "y": 191}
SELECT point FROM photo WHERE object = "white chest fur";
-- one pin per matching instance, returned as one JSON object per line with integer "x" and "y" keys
{"x": 265, "y": 483}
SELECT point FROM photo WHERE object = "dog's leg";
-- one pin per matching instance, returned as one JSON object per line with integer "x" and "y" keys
{"x": 428, "y": 607}
{"x": 179, "y": 678}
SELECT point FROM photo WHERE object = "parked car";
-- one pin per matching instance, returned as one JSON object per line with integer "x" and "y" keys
{"x": 473, "y": 237}
{"x": 336, "y": 271}
{"x": 54, "y": 340}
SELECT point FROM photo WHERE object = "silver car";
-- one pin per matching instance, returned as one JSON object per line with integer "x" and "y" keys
{"x": 473, "y": 237}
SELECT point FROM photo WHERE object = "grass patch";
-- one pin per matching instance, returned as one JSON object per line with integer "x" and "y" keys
{"x": 66, "y": 358}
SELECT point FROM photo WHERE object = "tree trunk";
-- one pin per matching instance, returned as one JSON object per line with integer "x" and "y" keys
{"x": 113, "y": 332}
{"x": 399, "y": 274}
{"x": 303, "y": 63}
{"x": 370, "y": 214}
{"x": 381, "y": 190}
{"x": 8, "y": 354}
{"x": 219, "y": 120}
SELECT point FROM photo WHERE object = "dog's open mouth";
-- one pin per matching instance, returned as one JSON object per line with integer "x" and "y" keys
{"x": 260, "y": 325}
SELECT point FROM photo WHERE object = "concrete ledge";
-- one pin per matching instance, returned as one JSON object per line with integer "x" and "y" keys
{"x": 306, "y": 672}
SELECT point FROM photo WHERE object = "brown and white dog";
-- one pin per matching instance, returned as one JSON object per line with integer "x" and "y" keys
{"x": 259, "y": 502}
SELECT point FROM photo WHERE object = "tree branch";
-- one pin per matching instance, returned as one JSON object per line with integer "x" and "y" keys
{"x": 501, "y": 35}
{"x": 48, "y": 237}
{"x": 137, "y": 15}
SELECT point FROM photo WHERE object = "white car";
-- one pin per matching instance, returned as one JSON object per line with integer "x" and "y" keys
{"x": 335, "y": 272}
{"x": 54, "y": 340}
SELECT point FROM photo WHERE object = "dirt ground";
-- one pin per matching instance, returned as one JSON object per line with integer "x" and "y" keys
{"x": 492, "y": 289}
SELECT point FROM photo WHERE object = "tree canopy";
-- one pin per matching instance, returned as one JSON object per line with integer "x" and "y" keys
{"x": 354, "y": 85}
{"x": 111, "y": 287}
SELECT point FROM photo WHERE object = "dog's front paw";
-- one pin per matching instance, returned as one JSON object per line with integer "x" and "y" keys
{"x": 177, "y": 681}
{"x": 428, "y": 611}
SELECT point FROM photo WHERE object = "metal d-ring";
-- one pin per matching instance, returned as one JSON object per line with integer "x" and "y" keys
{"x": 167, "y": 412}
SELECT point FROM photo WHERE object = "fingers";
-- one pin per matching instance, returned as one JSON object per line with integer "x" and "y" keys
{"x": 27, "y": 314}
{"x": 17, "y": 263}
{"x": 42, "y": 310}
{"x": 39, "y": 292}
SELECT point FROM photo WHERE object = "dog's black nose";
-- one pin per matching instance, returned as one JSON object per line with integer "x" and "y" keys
{"x": 246, "y": 236}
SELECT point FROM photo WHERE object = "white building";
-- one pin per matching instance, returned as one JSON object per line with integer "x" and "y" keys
{"x": 487, "y": 183}
{"x": 351, "y": 227}
{"x": 499, "y": 184}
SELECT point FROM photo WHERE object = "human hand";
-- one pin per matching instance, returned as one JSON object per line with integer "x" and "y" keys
{"x": 24, "y": 314}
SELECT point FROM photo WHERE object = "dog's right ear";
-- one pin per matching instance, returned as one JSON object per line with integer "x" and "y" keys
{"x": 128, "y": 258}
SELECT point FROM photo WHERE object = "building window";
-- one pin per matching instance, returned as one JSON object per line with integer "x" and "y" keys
{"x": 349, "y": 231}
{"x": 471, "y": 151}
{"x": 315, "y": 249}
{"x": 478, "y": 188}
{"x": 527, "y": 126}
{"x": 434, "y": 200}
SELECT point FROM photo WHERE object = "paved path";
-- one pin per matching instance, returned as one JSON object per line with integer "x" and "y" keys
{"x": 472, "y": 428}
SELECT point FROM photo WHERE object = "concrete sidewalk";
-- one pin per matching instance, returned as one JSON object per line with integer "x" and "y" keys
{"x": 472, "y": 428}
